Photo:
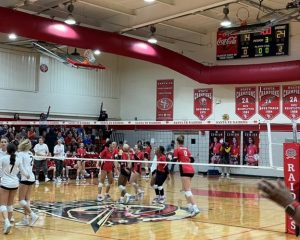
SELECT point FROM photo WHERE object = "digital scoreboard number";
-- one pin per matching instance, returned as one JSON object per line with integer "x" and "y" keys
{"x": 273, "y": 41}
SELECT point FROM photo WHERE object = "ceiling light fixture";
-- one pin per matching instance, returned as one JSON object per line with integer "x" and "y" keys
{"x": 97, "y": 52}
{"x": 70, "y": 19}
{"x": 12, "y": 36}
{"x": 226, "y": 21}
{"x": 152, "y": 38}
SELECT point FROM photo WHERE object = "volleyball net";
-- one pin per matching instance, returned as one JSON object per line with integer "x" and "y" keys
{"x": 214, "y": 144}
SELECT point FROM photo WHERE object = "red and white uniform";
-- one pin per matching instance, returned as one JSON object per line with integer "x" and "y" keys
{"x": 216, "y": 148}
{"x": 148, "y": 152}
{"x": 137, "y": 167}
{"x": 161, "y": 167}
{"x": 183, "y": 154}
{"x": 81, "y": 152}
{"x": 50, "y": 163}
{"x": 235, "y": 150}
{"x": 251, "y": 151}
{"x": 106, "y": 165}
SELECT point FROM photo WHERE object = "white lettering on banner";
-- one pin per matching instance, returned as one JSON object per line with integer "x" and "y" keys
{"x": 203, "y": 94}
{"x": 271, "y": 91}
{"x": 245, "y": 92}
{"x": 293, "y": 224}
{"x": 232, "y": 40}
{"x": 292, "y": 186}
{"x": 291, "y": 168}
{"x": 291, "y": 90}
{"x": 291, "y": 178}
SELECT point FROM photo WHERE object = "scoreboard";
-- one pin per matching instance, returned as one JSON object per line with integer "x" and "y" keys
{"x": 232, "y": 43}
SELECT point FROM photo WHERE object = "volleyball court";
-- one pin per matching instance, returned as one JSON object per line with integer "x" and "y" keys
{"x": 122, "y": 157}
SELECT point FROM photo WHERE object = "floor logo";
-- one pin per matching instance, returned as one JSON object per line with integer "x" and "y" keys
{"x": 110, "y": 213}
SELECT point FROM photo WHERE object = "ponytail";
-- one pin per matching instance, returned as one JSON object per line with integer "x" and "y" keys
{"x": 11, "y": 150}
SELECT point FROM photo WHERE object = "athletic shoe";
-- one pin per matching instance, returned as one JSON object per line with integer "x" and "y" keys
{"x": 195, "y": 211}
{"x": 12, "y": 220}
{"x": 155, "y": 200}
{"x": 121, "y": 200}
{"x": 7, "y": 228}
{"x": 100, "y": 198}
{"x": 140, "y": 192}
{"x": 37, "y": 182}
{"x": 77, "y": 181}
{"x": 47, "y": 179}
{"x": 127, "y": 198}
{"x": 34, "y": 218}
{"x": 108, "y": 197}
{"x": 23, "y": 223}
{"x": 227, "y": 175}
{"x": 162, "y": 200}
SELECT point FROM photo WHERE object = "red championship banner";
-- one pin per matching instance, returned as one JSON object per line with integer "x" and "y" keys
{"x": 203, "y": 102}
{"x": 245, "y": 102}
{"x": 291, "y": 101}
{"x": 227, "y": 45}
{"x": 269, "y": 102}
{"x": 291, "y": 153}
{"x": 164, "y": 100}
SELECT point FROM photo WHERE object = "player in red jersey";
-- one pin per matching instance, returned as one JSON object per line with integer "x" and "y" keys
{"x": 215, "y": 148}
{"x": 137, "y": 170}
{"x": 162, "y": 172}
{"x": 116, "y": 167}
{"x": 234, "y": 152}
{"x": 106, "y": 171}
{"x": 183, "y": 154}
{"x": 68, "y": 164}
{"x": 147, "y": 154}
{"x": 81, "y": 153}
{"x": 252, "y": 153}
{"x": 125, "y": 172}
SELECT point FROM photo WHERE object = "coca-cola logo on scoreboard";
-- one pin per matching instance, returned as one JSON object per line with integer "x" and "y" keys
{"x": 227, "y": 45}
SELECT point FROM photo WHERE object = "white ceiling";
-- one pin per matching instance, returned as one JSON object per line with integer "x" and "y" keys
{"x": 185, "y": 21}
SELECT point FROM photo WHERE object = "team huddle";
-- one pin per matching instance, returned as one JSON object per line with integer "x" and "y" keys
{"x": 121, "y": 162}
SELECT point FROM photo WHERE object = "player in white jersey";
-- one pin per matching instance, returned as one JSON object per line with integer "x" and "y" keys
{"x": 41, "y": 150}
{"x": 26, "y": 184}
{"x": 10, "y": 166}
{"x": 3, "y": 146}
{"x": 59, "y": 152}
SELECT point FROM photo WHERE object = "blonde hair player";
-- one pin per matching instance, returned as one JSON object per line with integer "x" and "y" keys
{"x": 183, "y": 154}
{"x": 26, "y": 184}
{"x": 10, "y": 166}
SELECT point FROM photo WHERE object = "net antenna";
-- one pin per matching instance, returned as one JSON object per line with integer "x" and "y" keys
{"x": 270, "y": 144}
{"x": 294, "y": 126}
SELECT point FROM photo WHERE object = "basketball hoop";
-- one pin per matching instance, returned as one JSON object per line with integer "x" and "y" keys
{"x": 243, "y": 15}
{"x": 89, "y": 57}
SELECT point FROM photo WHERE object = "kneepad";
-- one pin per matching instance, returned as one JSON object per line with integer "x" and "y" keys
{"x": 10, "y": 208}
{"x": 160, "y": 188}
{"x": 155, "y": 186}
{"x": 23, "y": 203}
{"x": 134, "y": 184}
{"x": 100, "y": 185}
{"x": 3, "y": 208}
{"x": 188, "y": 193}
{"x": 107, "y": 185}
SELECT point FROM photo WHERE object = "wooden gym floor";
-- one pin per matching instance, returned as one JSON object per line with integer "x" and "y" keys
{"x": 230, "y": 209}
